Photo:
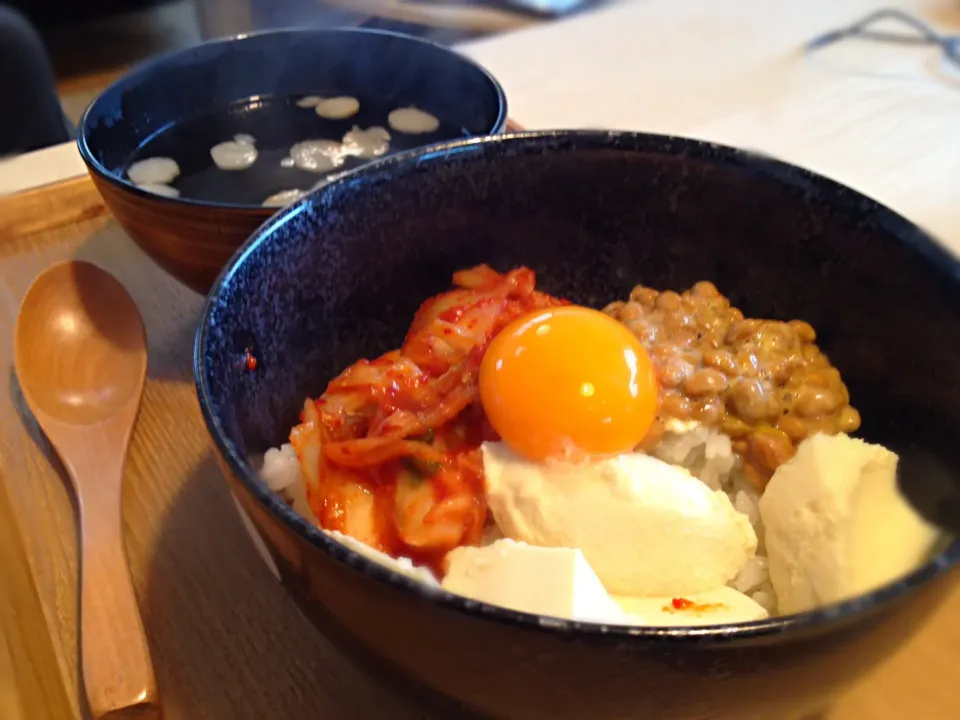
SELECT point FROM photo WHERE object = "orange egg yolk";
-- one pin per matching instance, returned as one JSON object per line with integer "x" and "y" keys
{"x": 568, "y": 382}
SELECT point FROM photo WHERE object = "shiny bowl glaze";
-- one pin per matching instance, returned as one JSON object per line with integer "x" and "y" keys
{"x": 339, "y": 275}
{"x": 193, "y": 239}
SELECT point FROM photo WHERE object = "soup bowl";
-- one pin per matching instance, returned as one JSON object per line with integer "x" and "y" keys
{"x": 192, "y": 238}
{"x": 339, "y": 275}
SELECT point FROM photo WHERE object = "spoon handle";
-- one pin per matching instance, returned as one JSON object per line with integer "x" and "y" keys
{"x": 117, "y": 670}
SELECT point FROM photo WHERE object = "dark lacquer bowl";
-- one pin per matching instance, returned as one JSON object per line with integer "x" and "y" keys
{"x": 339, "y": 275}
{"x": 193, "y": 239}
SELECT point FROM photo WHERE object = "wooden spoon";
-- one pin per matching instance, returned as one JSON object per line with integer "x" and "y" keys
{"x": 80, "y": 352}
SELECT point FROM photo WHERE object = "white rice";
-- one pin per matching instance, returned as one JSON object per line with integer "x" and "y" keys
{"x": 280, "y": 469}
{"x": 706, "y": 453}
{"x": 281, "y": 472}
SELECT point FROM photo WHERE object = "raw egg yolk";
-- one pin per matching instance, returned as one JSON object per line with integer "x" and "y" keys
{"x": 568, "y": 381}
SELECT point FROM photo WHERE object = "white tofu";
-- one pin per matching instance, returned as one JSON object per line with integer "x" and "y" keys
{"x": 556, "y": 582}
{"x": 647, "y": 528}
{"x": 837, "y": 525}
{"x": 716, "y": 607}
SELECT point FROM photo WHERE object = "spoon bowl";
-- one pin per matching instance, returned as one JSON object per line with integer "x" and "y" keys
{"x": 100, "y": 361}
{"x": 80, "y": 353}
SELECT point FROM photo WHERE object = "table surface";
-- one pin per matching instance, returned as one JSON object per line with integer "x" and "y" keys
{"x": 880, "y": 118}
{"x": 444, "y": 21}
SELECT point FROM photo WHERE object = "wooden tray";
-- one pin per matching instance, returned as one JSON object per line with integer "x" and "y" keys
{"x": 227, "y": 642}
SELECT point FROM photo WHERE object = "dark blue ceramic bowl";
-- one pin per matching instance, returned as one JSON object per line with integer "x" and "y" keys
{"x": 339, "y": 275}
{"x": 193, "y": 239}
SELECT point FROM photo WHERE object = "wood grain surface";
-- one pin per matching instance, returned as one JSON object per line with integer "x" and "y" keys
{"x": 472, "y": 16}
{"x": 85, "y": 396}
{"x": 227, "y": 642}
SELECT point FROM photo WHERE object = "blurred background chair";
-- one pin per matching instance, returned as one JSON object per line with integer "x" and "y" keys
{"x": 93, "y": 42}
{"x": 31, "y": 117}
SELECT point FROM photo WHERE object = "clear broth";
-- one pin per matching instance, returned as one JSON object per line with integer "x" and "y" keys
{"x": 276, "y": 124}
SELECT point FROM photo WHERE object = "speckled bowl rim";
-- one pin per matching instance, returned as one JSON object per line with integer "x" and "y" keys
{"x": 583, "y": 140}
{"x": 156, "y": 64}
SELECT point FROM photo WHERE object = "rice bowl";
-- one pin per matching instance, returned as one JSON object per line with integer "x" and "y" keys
{"x": 330, "y": 253}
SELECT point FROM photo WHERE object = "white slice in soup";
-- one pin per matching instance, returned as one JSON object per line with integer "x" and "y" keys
{"x": 233, "y": 155}
{"x": 370, "y": 143}
{"x": 244, "y": 139}
{"x": 153, "y": 170}
{"x": 283, "y": 198}
{"x": 318, "y": 155}
{"x": 160, "y": 189}
{"x": 337, "y": 108}
{"x": 412, "y": 121}
{"x": 287, "y": 162}
{"x": 309, "y": 101}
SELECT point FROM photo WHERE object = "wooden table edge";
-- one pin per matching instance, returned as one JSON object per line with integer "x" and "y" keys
{"x": 31, "y": 211}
